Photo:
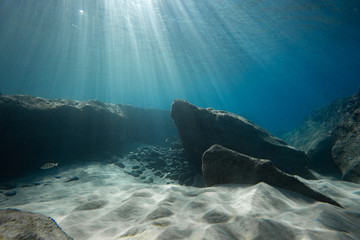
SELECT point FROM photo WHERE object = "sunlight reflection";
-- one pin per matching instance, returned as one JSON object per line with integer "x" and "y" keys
{"x": 166, "y": 46}
{"x": 148, "y": 52}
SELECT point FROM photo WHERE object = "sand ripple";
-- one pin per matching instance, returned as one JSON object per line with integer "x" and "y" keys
{"x": 109, "y": 204}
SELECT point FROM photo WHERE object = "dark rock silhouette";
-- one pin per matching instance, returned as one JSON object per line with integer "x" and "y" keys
{"x": 223, "y": 166}
{"x": 346, "y": 148}
{"x": 330, "y": 137}
{"x": 34, "y": 130}
{"x": 200, "y": 128}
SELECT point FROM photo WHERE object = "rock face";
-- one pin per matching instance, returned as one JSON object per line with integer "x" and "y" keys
{"x": 346, "y": 148}
{"x": 222, "y": 166}
{"x": 200, "y": 128}
{"x": 16, "y": 224}
{"x": 34, "y": 130}
{"x": 330, "y": 137}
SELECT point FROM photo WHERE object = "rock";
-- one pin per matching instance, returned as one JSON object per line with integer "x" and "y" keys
{"x": 158, "y": 173}
{"x": 10, "y": 193}
{"x": 16, "y": 224}
{"x": 346, "y": 150}
{"x": 330, "y": 137}
{"x": 134, "y": 174}
{"x": 120, "y": 164}
{"x": 200, "y": 128}
{"x": 149, "y": 180}
{"x": 34, "y": 130}
{"x": 139, "y": 172}
{"x": 314, "y": 136}
{"x": 160, "y": 163}
{"x": 224, "y": 166}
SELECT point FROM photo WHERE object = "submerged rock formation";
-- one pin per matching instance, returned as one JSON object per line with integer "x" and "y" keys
{"x": 34, "y": 130}
{"x": 330, "y": 136}
{"x": 200, "y": 128}
{"x": 222, "y": 166}
{"x": 346, "y": 148}
{"x": 16, "y": 224}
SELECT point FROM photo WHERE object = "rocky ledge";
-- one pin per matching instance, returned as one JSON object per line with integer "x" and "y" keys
{"x": 35, "y": 130}
{"x": 330, "y": 136}
{"x": 201, "y": 128}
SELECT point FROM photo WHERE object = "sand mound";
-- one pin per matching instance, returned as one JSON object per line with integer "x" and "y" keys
{"x": 107, "y": 203}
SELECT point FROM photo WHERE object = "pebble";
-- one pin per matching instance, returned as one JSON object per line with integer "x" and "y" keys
{"x": 10, "y": 193}
{"x": 132, "y": 174}
{"x": 155, "y": 161}
{"x": 138, "y": 172}
{"x": 120, "y": 165}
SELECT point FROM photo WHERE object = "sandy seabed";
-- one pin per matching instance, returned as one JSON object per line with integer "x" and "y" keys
{"x": 107, "y": 203}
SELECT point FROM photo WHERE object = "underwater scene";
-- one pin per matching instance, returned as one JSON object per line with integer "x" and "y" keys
{"x": 180, "y": 119}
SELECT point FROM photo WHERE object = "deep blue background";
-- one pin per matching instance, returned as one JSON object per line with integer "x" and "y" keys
{"x": 272, "y": 62}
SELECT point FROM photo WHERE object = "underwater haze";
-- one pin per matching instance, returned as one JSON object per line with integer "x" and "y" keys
{"x": 272, "y": 62}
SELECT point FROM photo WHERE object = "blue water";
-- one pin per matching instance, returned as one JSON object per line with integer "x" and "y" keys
{"x": 272, "y": 62}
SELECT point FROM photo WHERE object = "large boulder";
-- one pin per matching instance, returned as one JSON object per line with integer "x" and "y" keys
{"x": 16, "y": 224}
{"x": 346, "y": 147}
{"x": 34, "y": 130}
{"x": 224, "y": 166}
{"x": 200, "y": 128}
{"x": 330, "y": 136}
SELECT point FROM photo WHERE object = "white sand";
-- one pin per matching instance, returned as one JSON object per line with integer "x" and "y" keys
{"x": 107, "y": 203}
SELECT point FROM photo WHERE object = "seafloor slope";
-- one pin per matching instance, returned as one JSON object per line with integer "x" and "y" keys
{"x": 103, "y": 201}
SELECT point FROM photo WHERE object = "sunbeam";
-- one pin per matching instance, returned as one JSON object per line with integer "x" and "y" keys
{"x": 149, "y": 52}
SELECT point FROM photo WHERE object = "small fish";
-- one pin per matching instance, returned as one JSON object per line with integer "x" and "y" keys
{"x": 49, "y": 165}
